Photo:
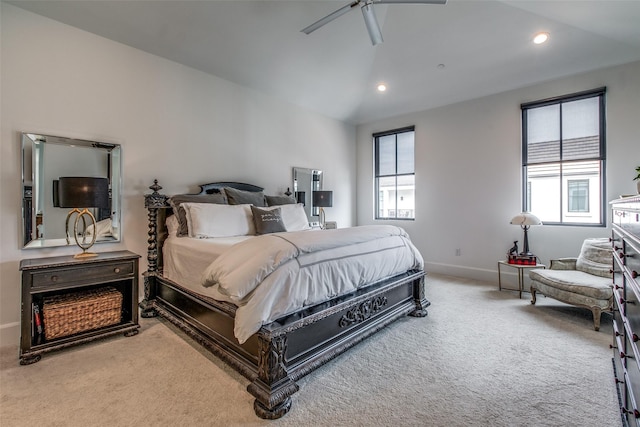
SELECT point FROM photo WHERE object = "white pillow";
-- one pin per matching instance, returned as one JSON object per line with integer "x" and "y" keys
{"x": 172, "y": 225}
{"x": 103, "y": 227}
{"x": 293, "y": 216}
{"x": 213, "y": 220}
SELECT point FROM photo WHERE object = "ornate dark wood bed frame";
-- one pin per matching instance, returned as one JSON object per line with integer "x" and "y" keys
{"x": 284, "y": 350}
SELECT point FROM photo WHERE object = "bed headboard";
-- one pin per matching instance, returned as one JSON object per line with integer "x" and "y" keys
{"x": 215, "y": 187}
{"x": 158, "y": 209}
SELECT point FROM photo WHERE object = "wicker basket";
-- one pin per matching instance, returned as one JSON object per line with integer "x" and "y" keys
{"x": 77, "y": 312}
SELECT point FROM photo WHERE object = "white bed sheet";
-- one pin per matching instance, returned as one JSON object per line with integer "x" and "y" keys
{"x": 185, "y": 258}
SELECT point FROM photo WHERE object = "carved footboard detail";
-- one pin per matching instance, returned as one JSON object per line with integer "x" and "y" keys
{"x": 273, "y": 387}
{"x": 146, "y": 305}
{"x": 420, "y": 300}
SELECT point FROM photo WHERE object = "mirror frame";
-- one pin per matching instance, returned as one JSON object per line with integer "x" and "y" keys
{"x": 300, "y": 184}
{"x": 33, "y": 171}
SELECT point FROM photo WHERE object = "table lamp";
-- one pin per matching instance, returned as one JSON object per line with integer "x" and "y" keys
{"x": 322, "y": 199}
{"x": 526, "y": 220}
{"x": 80, "y": 194}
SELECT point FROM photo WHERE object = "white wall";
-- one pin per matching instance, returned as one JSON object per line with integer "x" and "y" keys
{"x": 468, "y": 173}
{"x": 176, "y": 124}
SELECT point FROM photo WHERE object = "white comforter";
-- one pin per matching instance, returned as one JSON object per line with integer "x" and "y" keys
{"x": 276, "y": 274}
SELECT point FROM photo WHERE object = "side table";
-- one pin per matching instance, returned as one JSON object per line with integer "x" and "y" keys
{"x": 521, "y": 268}
{"x": 66, "y": 277}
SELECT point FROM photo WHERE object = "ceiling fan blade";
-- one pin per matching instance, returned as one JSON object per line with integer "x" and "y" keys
{"x": 338, "y": 13}
{"x": 410, "y": 1}
{"x": 371, "y": 22}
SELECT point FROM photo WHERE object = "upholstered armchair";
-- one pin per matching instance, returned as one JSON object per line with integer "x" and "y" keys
{"x": 585, "y": 281}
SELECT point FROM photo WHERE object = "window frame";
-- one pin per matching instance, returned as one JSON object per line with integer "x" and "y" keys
{"x": 376, "y": 175}
{"x": 600, "y": 93}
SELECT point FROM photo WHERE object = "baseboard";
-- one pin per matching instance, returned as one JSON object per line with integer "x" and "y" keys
{"x": 509, "y": 277}
{"x": 10, "y": 334}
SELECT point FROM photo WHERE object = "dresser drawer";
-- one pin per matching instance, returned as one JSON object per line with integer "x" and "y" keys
{"x": 102, "y": 273}
{"x": 632, "y": 308}
{"x": 628, "y": 220}
{"x": 630, "y": 406}
{"x": 631, "y": 257}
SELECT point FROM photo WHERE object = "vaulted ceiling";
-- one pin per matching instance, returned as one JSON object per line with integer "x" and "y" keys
{"x": 432, "y": 55}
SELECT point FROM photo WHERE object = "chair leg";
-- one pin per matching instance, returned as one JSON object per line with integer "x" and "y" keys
{"x": 597, "y": 313}
{"x": 533, "y": 295}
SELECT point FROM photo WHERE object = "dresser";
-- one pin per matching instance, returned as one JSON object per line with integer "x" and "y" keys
{"x": 68, "y": 301}
{"x": 626, "y": 314}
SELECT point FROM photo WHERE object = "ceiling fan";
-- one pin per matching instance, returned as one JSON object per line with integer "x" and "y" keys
{"x": 370, "y": 19}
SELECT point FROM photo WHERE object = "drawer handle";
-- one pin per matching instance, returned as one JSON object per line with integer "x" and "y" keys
{"x": 635, "y": 338}
{"x": 116, "y": 270}
{"x": 54, "y": 278}
{"x": 624, "y": 356}
{"x": 634, "y": 274}
{"x": 635, "y": 412}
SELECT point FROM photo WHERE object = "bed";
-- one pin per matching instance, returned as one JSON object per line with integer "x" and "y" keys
{"x": 286, "y": 343}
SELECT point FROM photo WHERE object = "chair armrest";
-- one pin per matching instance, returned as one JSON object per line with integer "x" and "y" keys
{"x": 563, "y": 264}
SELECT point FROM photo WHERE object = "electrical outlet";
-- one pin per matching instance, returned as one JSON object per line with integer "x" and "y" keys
{"x": 458, "y": 252}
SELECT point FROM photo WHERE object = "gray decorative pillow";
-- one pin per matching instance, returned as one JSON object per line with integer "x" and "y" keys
{"x": 596, "y": 257}
{"x": 280, "y": 200}
{"x": 267, "y": 221}
{"x": 175, "y": 201}
{"x": 241, "y": 197}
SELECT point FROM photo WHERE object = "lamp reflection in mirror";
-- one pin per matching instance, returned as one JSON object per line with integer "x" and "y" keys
{"x": 322, "y": 199}
{"x": 80, "y": 194}
{"x": 525, "y": 220}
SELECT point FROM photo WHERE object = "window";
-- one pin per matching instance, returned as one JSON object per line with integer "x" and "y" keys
{"x": 395, "y": 174}
{"x": 578, "y": 195}
{"x": 563, "y": 158}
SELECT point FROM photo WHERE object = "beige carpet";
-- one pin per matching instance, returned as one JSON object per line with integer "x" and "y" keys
{"x": 481, "y": 358}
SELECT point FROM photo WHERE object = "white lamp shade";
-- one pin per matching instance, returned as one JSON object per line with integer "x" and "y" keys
{"x": 526, "y": 218}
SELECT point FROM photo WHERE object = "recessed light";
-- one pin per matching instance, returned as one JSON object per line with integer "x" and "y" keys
{"x": 382, "y": 87}
{"x": 540, "y": 38}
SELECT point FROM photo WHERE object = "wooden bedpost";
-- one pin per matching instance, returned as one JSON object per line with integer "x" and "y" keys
{"x": 153, "y": 202}
{"x": 273, "y": 387}
{"x": 419, "y": 298}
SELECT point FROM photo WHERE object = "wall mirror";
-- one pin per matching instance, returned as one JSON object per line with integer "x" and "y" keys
{"x": 305, "y": 182}
{"x": 46, "y": 158}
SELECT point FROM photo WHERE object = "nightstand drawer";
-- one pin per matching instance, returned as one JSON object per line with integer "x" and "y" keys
{"x": 102, "y": 273}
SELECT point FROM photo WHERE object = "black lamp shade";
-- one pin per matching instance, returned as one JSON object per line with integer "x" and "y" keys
{"x": 323, "y": 199}
{"x": 56, "y": 198}
{"x": 83, "y": 192}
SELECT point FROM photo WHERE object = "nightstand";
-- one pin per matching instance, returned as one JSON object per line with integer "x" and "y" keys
{"x": 521, "y": 268}
{"x": 68, "y": 301}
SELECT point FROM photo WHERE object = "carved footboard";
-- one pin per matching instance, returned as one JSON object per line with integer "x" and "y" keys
{"x": 285, "y": 350}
